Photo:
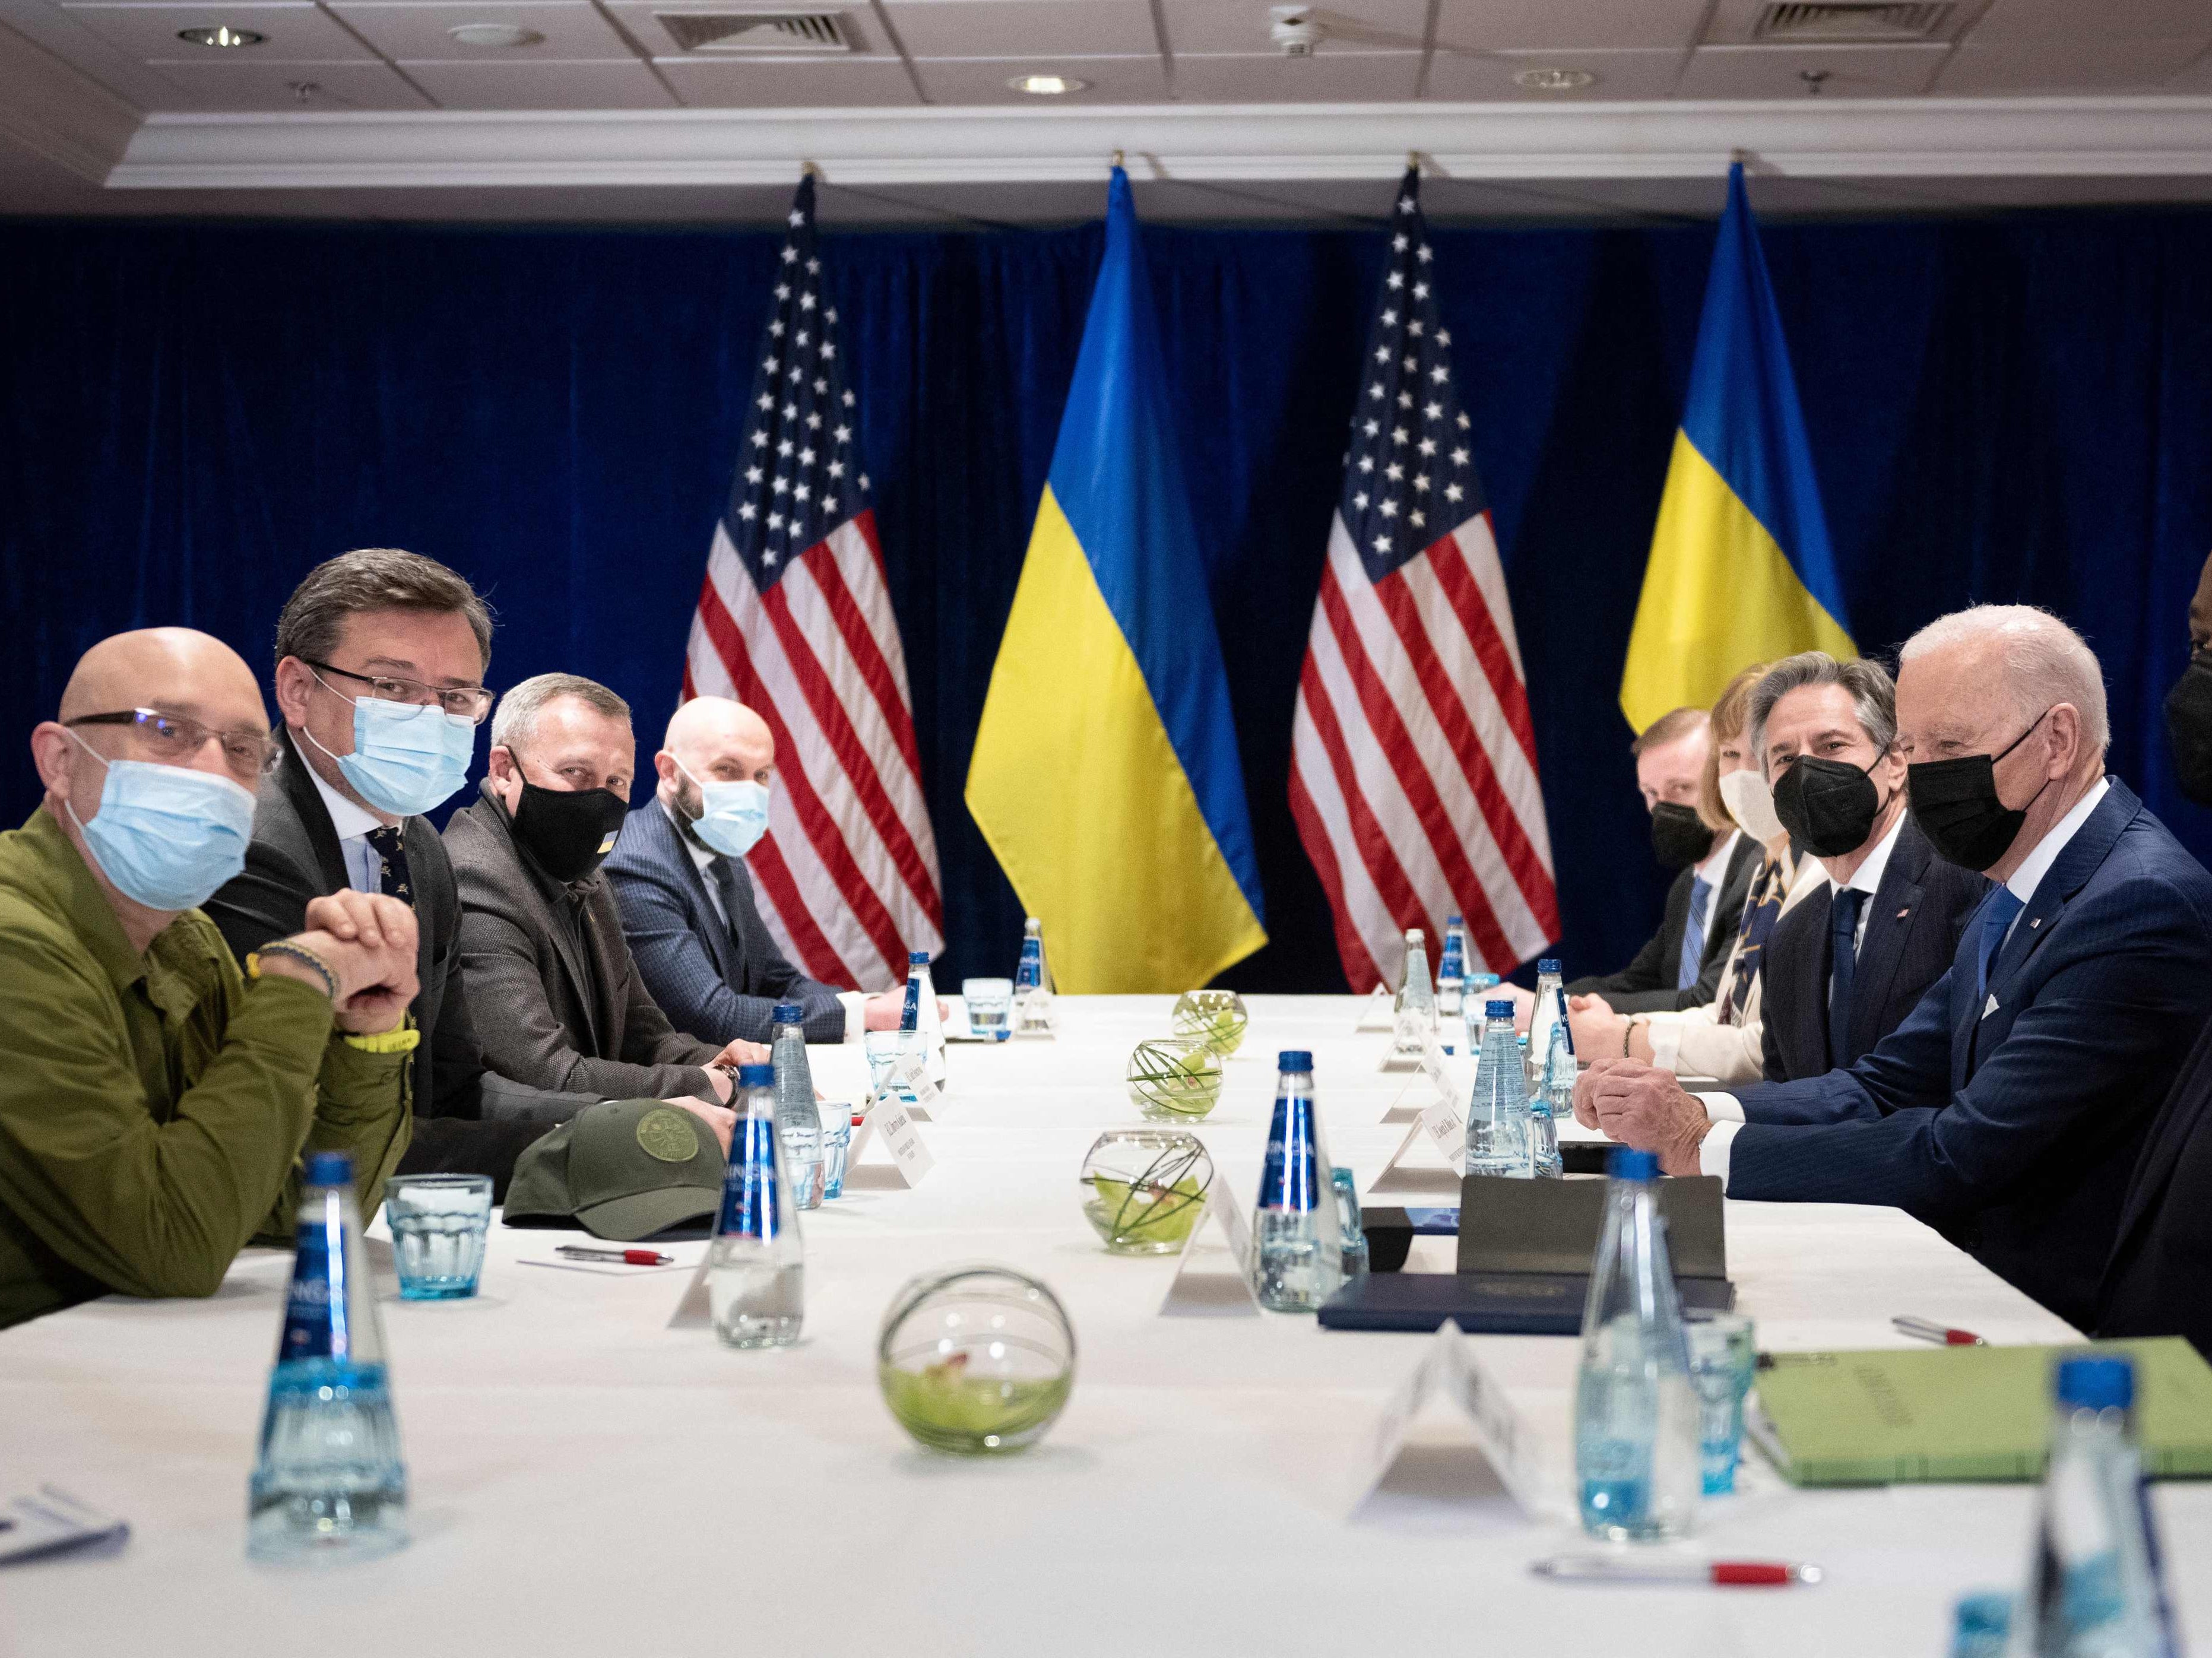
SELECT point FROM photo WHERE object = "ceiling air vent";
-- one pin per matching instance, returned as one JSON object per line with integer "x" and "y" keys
{"x": 1844, "y": 20}
{"x": 757, "y": 33}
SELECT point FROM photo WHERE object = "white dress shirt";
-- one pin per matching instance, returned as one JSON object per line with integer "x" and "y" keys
{"x": 1725, "y": 1111}
{"x": 364, "y": 867}
{"x": 1867, "y": 878}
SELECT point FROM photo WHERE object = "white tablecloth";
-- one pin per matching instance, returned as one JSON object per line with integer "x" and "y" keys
{"x": 585, "y": 1480}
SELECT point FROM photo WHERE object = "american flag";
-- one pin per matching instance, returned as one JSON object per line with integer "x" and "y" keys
{"x": 1412, "y": 758}
{"x": 795, "y": 622}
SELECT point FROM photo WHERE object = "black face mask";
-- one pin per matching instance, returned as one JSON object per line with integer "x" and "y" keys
{"x": 1956, "y": 803}
{"x": 1679, "y": 836}
{"x": 2189, "y": 728}
{"x": 1828, "y": 806}
{"x": 567, "y": 832}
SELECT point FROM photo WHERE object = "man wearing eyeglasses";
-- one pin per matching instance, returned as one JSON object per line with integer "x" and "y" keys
{"x": 154, "y": 1099}
{"x": 380, "y": 661}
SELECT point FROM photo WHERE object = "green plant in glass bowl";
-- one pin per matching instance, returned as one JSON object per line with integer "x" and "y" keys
{"x": 1216, "y": 1017}
{"x": 1146, "y": 1188}
{"x": 1174, "y": 1078}
{"x": 975, "y": 1359}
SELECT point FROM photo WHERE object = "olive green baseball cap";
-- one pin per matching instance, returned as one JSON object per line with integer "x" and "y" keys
{"x": 623, "y": 1169}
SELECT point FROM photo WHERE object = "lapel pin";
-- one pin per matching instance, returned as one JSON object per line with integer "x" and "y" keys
{"x": 1902, "y": 913}
{"x": 2033, "y": 922}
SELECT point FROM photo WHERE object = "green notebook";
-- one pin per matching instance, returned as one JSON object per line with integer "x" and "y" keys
{"x": 1949, "y": 1413}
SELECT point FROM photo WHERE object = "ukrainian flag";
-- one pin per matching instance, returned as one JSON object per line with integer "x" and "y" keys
{"x": 1105, "y": 774}
{"x": 1741, "y": 569}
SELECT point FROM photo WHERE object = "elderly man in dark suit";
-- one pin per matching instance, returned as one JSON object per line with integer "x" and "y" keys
{"x": 686, "y": 898}
{"x": 2011, "y": 1108}
{"x": 541, "y": 948}
{"x": 1848, "y": 963}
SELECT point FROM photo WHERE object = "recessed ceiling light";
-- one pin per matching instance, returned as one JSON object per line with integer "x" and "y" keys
{"x": 494, "y": 34}
{"x": 220, "y": 36}
{"x": 1554, "y": 80}
{"x": 1048, "y": 86}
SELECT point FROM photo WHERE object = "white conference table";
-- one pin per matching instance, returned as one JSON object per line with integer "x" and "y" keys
{"x": 586, "y": 1480}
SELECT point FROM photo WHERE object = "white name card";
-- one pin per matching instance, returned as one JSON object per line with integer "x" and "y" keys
{"x": 1452, "y": 1372}
{"x": 1433, "y": 1068}
{"x": 1207, "y": 1281}
{"x": 1374, "y": 1014}
{"x": 890, "y": 1119}
{"x": 1441, "y": 1126}
{"x": 910, "y": 1082}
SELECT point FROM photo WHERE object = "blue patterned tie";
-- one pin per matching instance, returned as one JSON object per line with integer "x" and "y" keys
{"x": 1693, "y": 933}
{"x": 1995, "y": 920}
{"x": 1843, "y": 963}
{"x": 386, "y": 842}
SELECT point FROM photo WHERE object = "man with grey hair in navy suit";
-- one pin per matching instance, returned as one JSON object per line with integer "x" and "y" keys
{"x": 2009, "y": 1108}
{"x": 688, "y": 907}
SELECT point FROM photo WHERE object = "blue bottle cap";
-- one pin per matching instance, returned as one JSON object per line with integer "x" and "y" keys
{"x": 328, "y": 1169}
{"x": 1295, "y": 1058}
{"x": 1455, "y": 921}
{"x": 1623, "y": 1164}
{"x": 1986, "y": 1613}
{"x": 1548, "y": 964}
{"x": 1499, "y": 1009}
{"x": 756, "y": 1076}
{"x": 789, "y": 1013}
{"x": 2096, "y": 1381}
{"x": 917, "y": 958}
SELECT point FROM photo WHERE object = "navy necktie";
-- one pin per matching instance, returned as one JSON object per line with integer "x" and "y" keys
{"x": 1997, "y": 920}
{"x": 384, "y": 842}
{"x": 1843, "y": 963}
{"x": 1693, "y": 933}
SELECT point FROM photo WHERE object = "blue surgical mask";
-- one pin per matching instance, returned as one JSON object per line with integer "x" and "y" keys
{"x": 405, "y": 759}
{"x": 734, "y": 816}
{"x": 166, "y": 836}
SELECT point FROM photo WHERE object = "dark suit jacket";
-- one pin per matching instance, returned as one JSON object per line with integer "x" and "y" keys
{"x": 1646, "y": 985}
{"x": 2159, "y": 1281}
{"x": 467, "y": 1119}
{"x": 2014, "y": 1128}
{"x": 719, "y": 981}
{"x": 563, "y": 1023}
{"x": 1912, "y": 931}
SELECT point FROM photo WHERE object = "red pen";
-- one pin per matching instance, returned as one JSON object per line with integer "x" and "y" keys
{"x": 626, "y": 1257}
{"x": 1927, "y": 1330}
{"x": 1642, "y": 1568}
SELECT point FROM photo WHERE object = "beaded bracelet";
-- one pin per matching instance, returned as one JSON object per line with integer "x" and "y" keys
{"x": 298, "y": 953}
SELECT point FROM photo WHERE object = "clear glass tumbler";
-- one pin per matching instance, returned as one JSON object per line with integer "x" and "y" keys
{"x": 1724, "y": 1359}
{"x": 437, "y": 1227}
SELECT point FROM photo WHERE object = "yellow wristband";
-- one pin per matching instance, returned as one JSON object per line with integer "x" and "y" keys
{"x": 402, "y": 1040}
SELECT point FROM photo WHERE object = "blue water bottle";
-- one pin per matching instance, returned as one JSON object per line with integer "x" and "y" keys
{"x": 1637, "y": 1429}
{"x": 1497, "y": 1114}
{"x": 797, "y": 1116}
{"x": 1451, "y": 970}
{"x": 1553, "y": 1099}
{"x": 1297, "y": 1251}
{"x": 918, "y": 1019}
{"x": 756, "y": 1266}
{"x": 1033, "y": 1009}
{"x": 328, "y": 1482}
{"x": 1550, "y": 1006}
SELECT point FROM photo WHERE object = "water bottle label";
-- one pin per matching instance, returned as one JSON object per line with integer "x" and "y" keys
{"x": 308, "y": 1307}
{"x": 1030, "y": 974}
{"x": 751, "y": 1194}
{"x": 910, "y": 1013}
{"x": 1453, "y": 964}
{"x": 1290, "y": 1179}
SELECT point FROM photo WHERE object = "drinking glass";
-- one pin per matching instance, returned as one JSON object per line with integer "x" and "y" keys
{"x": 990, "y": 1006}
{"x": 438, "y": 1226}
{"x": 1723, "y": 1358}
{"x": 836, "y": 1141}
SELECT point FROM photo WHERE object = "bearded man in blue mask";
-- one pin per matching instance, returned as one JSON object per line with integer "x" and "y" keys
{"x": 156, "y": 1096}
{"x": 688, "y": 905}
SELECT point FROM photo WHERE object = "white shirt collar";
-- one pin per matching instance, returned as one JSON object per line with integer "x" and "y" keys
{"x": 1866, "y": 878}
{"x": 2029, "y": 876}
{"x": 1714, "y": 870}
{"x": 350, "y": 818}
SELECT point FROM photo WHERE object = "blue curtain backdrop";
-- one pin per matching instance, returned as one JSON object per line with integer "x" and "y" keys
{"x": 2015, "y": 407}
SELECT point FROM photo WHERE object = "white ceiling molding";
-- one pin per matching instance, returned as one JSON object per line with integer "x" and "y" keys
{"x": 2054, "y": 137}
{"x": 50, "y": 109}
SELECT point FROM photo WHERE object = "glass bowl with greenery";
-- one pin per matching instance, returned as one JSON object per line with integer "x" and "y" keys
{"x": 1217, "y": 1017}
{"x": 1144, "y": 1189}
{"x": 975, "y": 1359}
{"x": 1174, "y": 1078}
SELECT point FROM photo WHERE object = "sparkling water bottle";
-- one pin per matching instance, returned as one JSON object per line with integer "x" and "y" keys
{"x": 1553, "y": 1101}
{"x": 1416, "y": 1005}
{"x": 1476, "y": 1010}
{"x": 1354, "y": 1229}
{"x": 1034, "y": 1015}
{"x": 1636, "y": 1446}
{"x": 755, "y": 1268}
{"x": 797, "y": 1119}
{"x": 2094, "y": 1588}
{"x": 1550, "y": 1006}
{"x": 1297, "y": 1249}
{"x": 328, "y": 1482}
{"x": 1451, "y": 970}
{"x": 919, "y": 1017}
{"x": 1497, "y": 1114}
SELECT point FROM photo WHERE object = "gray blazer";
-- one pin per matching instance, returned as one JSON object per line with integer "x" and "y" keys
{"x": 551, "y": 1019}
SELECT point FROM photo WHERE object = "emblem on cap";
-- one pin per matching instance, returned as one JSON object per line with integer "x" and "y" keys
{"x": 666, "y": 1133}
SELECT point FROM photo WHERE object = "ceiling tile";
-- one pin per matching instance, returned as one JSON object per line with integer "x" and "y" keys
{"x": 415, "y": 32}
{"x": 2198, "y": 77}
{"x": 562, "y": 83}
{"x": 1558, "y": 25}
{"x": 1017, "y": 29}
{"x": 851, "y": 82}
{"x": 1487, "y": 77}
{"x": 1351, "y": 26}
{"x": 1779, "y": 71}
{"x": 270, "y": 86}
{"x": 2049, "y": 66}
{"x": 1735, "y": 22}
{"x": 2105, "y": 20}
{"x": 983, "y": 80}
{"x": 297, "y": 32}
{"x": 643, "y": 19}
{"x": 1360, "y": 77}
